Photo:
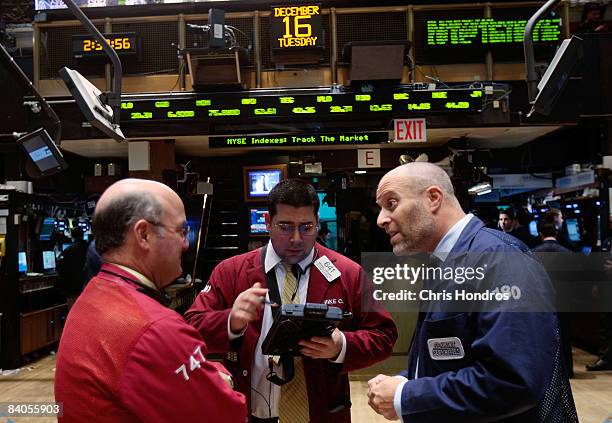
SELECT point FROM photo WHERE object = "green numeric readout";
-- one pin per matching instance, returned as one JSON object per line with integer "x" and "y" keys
{"x": 203, "y": 103}
{"x": 268, "y": 111}
{"x": 181, "y": 114}
{"x": 141, "y": 115}
{"x": 223, "y": 112}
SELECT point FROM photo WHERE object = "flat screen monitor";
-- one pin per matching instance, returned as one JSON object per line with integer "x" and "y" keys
{"x": 23, "y": 262}
{"x": 257, "y": 220}
{"x": 43, "y": 152}
{"x": 48, "y": 258}
{"x": 557, "y": 74}
{"x": 573, "y": 231}
{"x": 46, "y": 228}
{"x": 87, "y": 97}
{"x": 533, "y": 228}
{"x": 259, "y": 180}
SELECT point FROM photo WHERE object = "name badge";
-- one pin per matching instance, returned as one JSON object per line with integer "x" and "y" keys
{"x": 445, "y": 348}
{"x": 327, "y": 268}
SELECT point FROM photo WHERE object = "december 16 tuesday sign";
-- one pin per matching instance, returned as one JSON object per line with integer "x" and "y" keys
{"x": 296, "y": 27}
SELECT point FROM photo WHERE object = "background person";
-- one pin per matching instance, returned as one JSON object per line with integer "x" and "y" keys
{"x": 70, "y": 267}
{"x": 231, "y": 316}
{"x": 496, "y": 366}
{"x": 592, "y": 18}
{"x": 124, "y": 356}
{"x": 548, "y": 233}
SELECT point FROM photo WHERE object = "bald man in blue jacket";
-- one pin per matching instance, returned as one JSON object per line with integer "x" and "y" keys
{"x": 470, "y": 361}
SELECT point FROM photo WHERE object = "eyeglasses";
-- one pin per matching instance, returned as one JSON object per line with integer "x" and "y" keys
{"x": 182, "y": 231}
{"x": 305, "y": 229}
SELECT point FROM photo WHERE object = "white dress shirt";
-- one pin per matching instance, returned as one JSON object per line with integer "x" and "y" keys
{"x": 443, "y": 249}
{"x": 265, "y": 395}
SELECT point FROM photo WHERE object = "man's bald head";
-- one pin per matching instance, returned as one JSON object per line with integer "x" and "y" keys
{"x": 416, "y": 177}
{"x": 418, "y": 206}
{"x": 124, "y": 203}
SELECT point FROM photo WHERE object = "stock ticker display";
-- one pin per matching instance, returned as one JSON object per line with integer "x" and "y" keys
{"x": 492, "y": 32}
{"x": 287, "y": 140}
{"x": 465, "y": 36}
{"x": 246, "y": 107}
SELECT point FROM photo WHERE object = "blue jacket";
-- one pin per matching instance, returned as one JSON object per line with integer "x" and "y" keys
{"x": 511, "y": 369}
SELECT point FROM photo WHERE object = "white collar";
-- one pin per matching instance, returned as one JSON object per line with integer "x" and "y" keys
{"x": 141, "y": 278}
{"x": 448, "y": 241}
{"x": 272, "y": 259}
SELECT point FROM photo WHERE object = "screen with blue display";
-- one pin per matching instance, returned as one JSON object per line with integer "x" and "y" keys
{"x": 46, "y": 228}
{"x": 48, "y": 260}
{"x": 257, "y": 220}
{"x": 261, "y": 182}
{"x": 573, "y": 231}
{"x": 533, "y": 228}
{"x": 23, "y": 262}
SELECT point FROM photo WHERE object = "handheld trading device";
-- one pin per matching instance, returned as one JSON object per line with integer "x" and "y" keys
{"x": 296, "y": 322}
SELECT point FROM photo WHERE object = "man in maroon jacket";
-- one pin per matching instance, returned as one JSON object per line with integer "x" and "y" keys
{"x": 233, "y": 314}
{"x": 125, "y": 357}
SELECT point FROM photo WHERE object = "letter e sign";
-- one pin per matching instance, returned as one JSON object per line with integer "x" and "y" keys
{"x": 368, "y": 157}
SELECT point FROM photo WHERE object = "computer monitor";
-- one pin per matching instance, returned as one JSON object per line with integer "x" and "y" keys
{"x": 23, "y": 261}
{"x": 257, "y": 221}
{"x": 557, "y": 74}
{"x": 48, "y": 258}
{"x": 259, "y": 180}
{"x": 46, "y": 228}
{"x": 573, "y": 231}
{"x": 88, "y": 98}
{"x": 43, "y": 152}
{"x": 533, "y": 228}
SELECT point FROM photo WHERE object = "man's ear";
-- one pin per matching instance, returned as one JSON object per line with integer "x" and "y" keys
{"x": 434, "y": 198}
{"x": 268, "y": 221}
{"x": 142, "y": 233}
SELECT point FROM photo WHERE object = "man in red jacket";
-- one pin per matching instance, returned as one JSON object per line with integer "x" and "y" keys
{"x": 233, "y": 314}
{"x": 124, "y": 356}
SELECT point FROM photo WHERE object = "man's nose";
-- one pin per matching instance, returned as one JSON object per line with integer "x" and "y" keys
{"x": 296, "y": 236}
{"x": 382, "y": 219}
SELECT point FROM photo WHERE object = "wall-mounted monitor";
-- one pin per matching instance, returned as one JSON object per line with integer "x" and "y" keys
{"x": 48, "y": 260}
{"x": 257, "y": 221}
{"x": 23, "y": 262}
{"x": 46, "y": 228}
{"x": 259, "y": 180}
{"x": 42, "y": 151}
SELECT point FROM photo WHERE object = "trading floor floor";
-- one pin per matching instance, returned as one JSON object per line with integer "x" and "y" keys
{"x": 592, "y": 391}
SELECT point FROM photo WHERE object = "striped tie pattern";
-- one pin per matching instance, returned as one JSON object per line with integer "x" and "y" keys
{"x": 293, "y": 407}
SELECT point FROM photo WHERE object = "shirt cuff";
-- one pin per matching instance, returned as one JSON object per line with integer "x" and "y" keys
{"x": 397, "y": 397}
{"x": 231, "y": 335}
{"x": 342, "y": 354}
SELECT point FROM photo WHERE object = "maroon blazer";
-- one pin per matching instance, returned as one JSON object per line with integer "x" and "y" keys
{"x": 370, "y": 335}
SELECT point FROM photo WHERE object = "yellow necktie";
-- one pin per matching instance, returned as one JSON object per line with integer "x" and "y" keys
{"x": 293, "y": 407}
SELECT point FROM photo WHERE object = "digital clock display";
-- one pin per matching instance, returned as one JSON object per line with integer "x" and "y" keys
{"x": 124, "y": 44}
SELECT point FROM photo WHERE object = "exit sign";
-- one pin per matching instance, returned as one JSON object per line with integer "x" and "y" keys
{"x": 410, "y": 130}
